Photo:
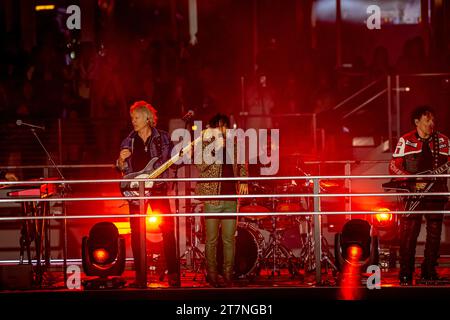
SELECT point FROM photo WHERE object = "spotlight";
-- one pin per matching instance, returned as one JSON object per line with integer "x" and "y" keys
{"x": 103, "y": 255}
{"x": 153, "y": 222}
{"x": 152, "y": 219}
{"x": 100, "y": 255}
{"x": 383, "y": 219}
{"x": 354, "y": 252}
{"x": 355, "y": 246}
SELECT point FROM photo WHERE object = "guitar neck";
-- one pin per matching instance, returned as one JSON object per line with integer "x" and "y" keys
{"x": 441, "y": 169}
{"x": 166, "y": 165}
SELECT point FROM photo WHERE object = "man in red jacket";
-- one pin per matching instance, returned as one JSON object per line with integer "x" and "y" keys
{"x": 417, "y": 151}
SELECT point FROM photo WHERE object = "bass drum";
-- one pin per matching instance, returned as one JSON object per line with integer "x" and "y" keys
{"x": 250, "y": 244}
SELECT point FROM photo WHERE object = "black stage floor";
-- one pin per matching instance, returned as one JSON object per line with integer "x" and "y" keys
{"x": 265, "y": 287}
{"x": 264, "y": 298}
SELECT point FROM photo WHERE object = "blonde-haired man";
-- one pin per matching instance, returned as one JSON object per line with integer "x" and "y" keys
{"x": 143, "y": 144}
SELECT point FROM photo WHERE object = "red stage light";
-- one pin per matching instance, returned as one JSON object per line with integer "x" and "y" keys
{"x": 103, "y": 255}
{"x": 100, "y": 255}
{"x": 153, "y": 221}
{"x": 383, "y": 218}
{"x": 354, "y": 253}
{"x": 152, "y": 224}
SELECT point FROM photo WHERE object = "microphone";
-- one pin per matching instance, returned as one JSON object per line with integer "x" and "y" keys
{"x": 21, "y": 123}
{"x": 188, "y": 115}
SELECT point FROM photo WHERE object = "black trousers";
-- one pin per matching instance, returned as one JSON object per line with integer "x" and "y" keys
{"x": 409, "y": 231}
{"x": 168, "y": 234}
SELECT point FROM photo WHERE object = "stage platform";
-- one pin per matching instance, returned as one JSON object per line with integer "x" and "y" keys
{"x": 265, "y": 288}
{"x": 265, "y": 298}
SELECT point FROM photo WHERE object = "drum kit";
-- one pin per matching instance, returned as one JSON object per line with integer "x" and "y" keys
{"x": 274, "y": 254}
{"x": 272, "y": 242}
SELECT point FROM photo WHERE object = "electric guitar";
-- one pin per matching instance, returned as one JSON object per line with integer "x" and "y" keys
{"x": 410, "y": 186}
{"x": 131, "y": 189}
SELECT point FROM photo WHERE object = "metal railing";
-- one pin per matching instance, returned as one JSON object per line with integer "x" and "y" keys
{"x": 316, "y": 194}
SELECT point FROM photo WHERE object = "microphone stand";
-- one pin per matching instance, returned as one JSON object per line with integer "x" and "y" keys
{"x": 64, "y": 188}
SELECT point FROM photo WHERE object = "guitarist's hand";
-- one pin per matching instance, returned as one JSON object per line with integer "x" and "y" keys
{"x": 124, "y": 153}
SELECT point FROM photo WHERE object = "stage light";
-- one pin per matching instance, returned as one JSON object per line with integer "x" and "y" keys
{"x": 103, "y": 255}
{"x": 46, "y": 7}
{"x": 153, "y": 221}
{"x": 354, "y": 252}
{"x": 383, "y": 219}
{"x": 100, "y": 255}
{"x": 355, "y": 245}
